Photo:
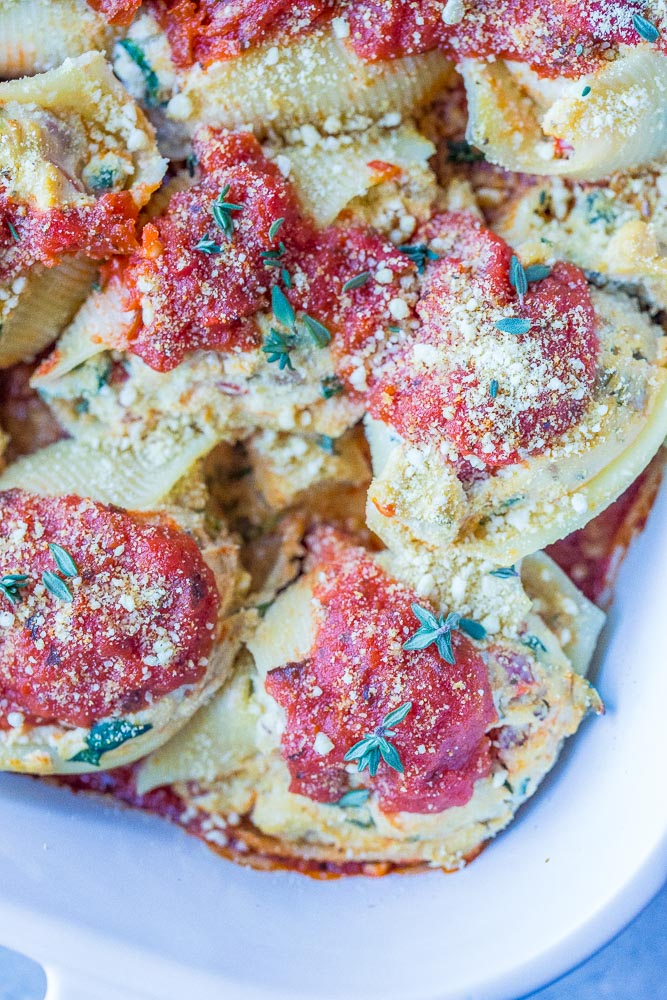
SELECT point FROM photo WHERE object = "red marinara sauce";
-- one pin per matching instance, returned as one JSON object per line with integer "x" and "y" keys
{"x": 119, "y": 12}
{"x": 29, "y": 235}
{"x": 206, "y": 31}
{"x": 207, "y": 300}
{"x": 141, "y": 623}
{"x": 497, "y": 395}
{"x": 357, "y": 672}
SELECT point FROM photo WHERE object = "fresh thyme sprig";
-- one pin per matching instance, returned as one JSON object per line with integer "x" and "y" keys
{"x": 272, "y": 258}
{"x": 419, "y": 254}
{"x": 208, "y": 246}
{"x": 222, "y": 212}
{"x": 277, "y": 347}
{"x": 11, "y": 585}
{"x": 376, "y": 746}
{"x": 439, "y": 631}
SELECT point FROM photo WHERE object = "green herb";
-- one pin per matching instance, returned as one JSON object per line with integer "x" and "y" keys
{"x": 648, "y": 31}
{"x": 209, "y": 246}
{"x": 326, "y": 443}
{"x": 57, "y": 587}
{"x": 505, "y": 573}
{"x": 271, "y": 258}
{"x": 533, "y": 643}
{"x": 138, "y": 56}
{"x": 518, "y": 278}
{"x": 96, "y": 287}
{"x": 319, "y": 333}
{"x": 278, "y": 348}
{"x": 393, "y": 328}
{"x": 375, "y": 746}
{"x": 63, "y": 560}
{"x": 354, "y": 798}
{"x": 513, "y": 324}
{"x": 282, "y": 308}
{"x": 12, "y": 229}
{"x": 600, "y": 208}
{"x": 579, "y": 49}
{"x": 357, "y": 281}
{"x": 419, "y": 254}
{"x": 103, "y": 180}
{"x": 493, "y": 388}
{"x": 222, "y": 212}
{"x": 330, "y": 386}
{"x": 191, "y": 163}
{"x": 261, "y": 609}
{"x": 586, "y": 91}
{"x": 439, "y": 631}
{"x": 11, "y": 585}
{"x": 537, "y": 272}
{"x": 107, "y": 736}
{"x": 463, "y": 152}
{"x": 275, "y": 227}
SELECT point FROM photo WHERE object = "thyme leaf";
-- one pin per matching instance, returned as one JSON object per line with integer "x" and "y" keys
{"x": 439, "y": 631}
{"x": 57, "y": 587}
{"x": 63, "y": 560}
{"x": 376, "y": 746}
{"x": 514, "y": 325}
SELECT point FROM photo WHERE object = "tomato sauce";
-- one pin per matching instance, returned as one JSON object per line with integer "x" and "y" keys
{"x": 358, "y": 666}
{"x": 29, "y": 235}
{"x": 544, "y": 376}
{"x": 140, "y": 624}
{"x": 119, "y": 12}
{"x": 207, "y": 300}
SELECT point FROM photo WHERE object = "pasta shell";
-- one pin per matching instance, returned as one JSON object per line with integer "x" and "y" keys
{"x": 329, "y": 175}
{"x": 135, "y": 481}
{"x": 47, "y": 300}
{"x": 608, "y": 121}
{"x": 424, "y": 506}
{"x": 36, "y": 35}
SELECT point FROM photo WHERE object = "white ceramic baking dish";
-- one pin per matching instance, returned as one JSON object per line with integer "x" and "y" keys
{"x": 118, "y": 905}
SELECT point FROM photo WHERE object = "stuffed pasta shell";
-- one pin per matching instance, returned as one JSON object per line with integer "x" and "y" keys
{"x": 616, "y": 229}
{"x": 77, "y": 161}
{"x": 257, "y": 300}
{"x": 116, "y": 624}
{"x": 230, "y": 68}
{"x": 362, "y": 729}
{"x": 524, "y": 403}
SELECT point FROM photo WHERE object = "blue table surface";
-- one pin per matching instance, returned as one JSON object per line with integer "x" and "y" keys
{"x": 633, "y": 967}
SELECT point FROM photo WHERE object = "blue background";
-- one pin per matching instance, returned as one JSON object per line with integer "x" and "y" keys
{"x": 633, "y": 967}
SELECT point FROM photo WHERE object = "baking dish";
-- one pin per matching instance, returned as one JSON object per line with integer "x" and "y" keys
{"x": 116, "y": 904}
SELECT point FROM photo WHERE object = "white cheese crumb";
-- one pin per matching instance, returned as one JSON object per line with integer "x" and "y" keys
{"x": 322, "y": 745}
